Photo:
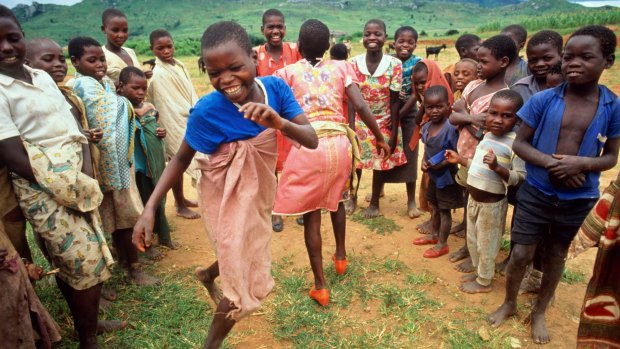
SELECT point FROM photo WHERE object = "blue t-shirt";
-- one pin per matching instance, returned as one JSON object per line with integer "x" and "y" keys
{"x": 543, "y": 112}
{"x": 445, "y": 139}
{"x": 215, "y": 120}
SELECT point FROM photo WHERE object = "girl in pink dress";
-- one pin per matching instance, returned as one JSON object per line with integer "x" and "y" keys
{"x": 315, "y": 179}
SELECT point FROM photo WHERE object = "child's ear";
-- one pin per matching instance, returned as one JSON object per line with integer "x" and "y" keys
{"x": 610, "y": 61}
{"x": 103, "y": 28}
{"x": 504, "y": 62}
{"x": 74, "y": 61}
{"x": 254, "y": 57}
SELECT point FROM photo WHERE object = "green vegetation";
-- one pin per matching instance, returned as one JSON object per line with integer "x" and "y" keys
{"x": 571, "y": 277}
{"x": 380, "y": 225}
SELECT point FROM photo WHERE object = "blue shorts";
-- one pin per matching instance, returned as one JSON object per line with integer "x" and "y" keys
{"x": 541, "y": 217}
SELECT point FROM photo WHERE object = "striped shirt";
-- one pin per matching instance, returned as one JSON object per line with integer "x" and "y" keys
{"x": 479, "y": 175}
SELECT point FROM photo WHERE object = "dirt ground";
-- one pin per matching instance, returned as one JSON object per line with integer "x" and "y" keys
{"x": 254, "y": 332}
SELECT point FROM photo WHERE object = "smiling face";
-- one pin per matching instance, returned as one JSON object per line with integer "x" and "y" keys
{"x": 12, "y": 47}
{"x": 231, "y": 70}
{"x": 134, "y": 89}
{"x": 92, "y": 63}
{"x": 374, "y": 37}
{"x": 274, "y": 30}
{"x": 488, "y": 65}
{"x": 437, "y": 107}
{"x": 48, "y": 56}
{"x": 116, "y": 30}
{"x": 541, "y": 58}
{"x": 464, "y": 73}
{"x": 405, "y": 44}
{"x": 583, "y": 61}
{"x": 419, "y": 80}
{"x": 501, "y": 116}
{"x": 163, "y": 48}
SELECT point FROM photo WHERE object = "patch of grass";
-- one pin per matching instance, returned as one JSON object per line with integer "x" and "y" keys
{"x": 505, "y": 244}
{"x": 571, "y": 277}
{"x": 380, "y": 225}
{"x": 425, "y": 278}
{"x": 463, "y": 334}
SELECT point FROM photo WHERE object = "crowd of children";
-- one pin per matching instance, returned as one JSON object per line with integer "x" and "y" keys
{"x": 88, "y": 158}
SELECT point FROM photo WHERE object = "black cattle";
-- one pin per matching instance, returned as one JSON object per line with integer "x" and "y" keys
{"x": 434, "y": 50}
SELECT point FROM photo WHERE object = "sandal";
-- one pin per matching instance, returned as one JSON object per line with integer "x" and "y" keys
{"x": 423, "y": 240}
{"x": 341, "y": 265}
{"x": 434, "y": 253}
{"x": 321, "y": 296}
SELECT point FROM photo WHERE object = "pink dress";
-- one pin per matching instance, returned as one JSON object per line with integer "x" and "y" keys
{"x": 317, "y": 179}
{"x": 376, "y": 89}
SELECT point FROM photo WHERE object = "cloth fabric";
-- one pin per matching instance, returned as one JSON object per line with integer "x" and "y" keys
{"x": 544, "y": 112}
{"x": 600, "y": 314}
{"x": 526, "y": 87}
{"x": 375, "y": 89}
{"x": 146, "y": 186}
{"x": 8, "y": 201}
{"x": 62, "y": 209}
{"x": 114, "y": 116}
{"x": 237, "y": 191}
{"x": 116, "y": 63}
{"x": 479, "y": 175}
{"x": 540, "y": 216}
{"x": 266, "y": 65}
{"x": 409, "y": 171}
{"x": 485, "y": 227}
{"x": 215, "y": 120}
{"x": 37, "y": 112}
{"x": 173, "y": 95}
{"x": 519, "y": 73}
{"x": 444, "y": 139}
{"x": 407, "y": 87}
{"x": 446, "y": 198}
{"x": 120, "y": 209}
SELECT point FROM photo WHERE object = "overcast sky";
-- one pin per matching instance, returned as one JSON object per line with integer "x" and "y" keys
{"x": 12, "y": 3}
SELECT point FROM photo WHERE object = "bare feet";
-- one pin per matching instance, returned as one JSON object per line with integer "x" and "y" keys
{"x": 154, "y": 254}
{"x": 108, "y": 293}
{"x": 505, "y": 311}
{"x": 170, "y": 244}
{"x": 539, "y": 329}
{"x": 138, "y": 277}
{"x": 372, "y": 212}
{"x": 187, "y": 213}
{"x": 350, "y": 205}
{"x": 412, "y": 210}
{"x": 104, "y": 304}
{"x": 190, "y": 203}
{"x": 425, "y": 227}
{"x": 474, "y": 287}
{"x": 468, "y": 277}
{"x": 202, "y": 274}
{"x": 460, "y": 254}
{"x": 466, "y": 266}
{"x": 276, "y": 223}
{"x": 300, "y": 220}
{"x": 104, "y": 326}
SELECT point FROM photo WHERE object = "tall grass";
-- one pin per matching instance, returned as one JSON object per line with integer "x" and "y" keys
{"x": 559, "y": 20}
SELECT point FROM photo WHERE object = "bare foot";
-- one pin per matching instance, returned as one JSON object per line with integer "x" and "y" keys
{"x": 474, "y": 287}
{"x": 104, "y": 326}
{"x": 138, "y": 277}
{"x": 187, "y": 213}
{"x": 154, "y": 254}
{"x": 497, "y": 317}
{"x": 412, "y": 210}
{"x": 539, "y": 329}
{"x": 468, "y": 277}
{"x": 277, "y": 224}
{"x": 104, "y": 304}
{"x": 202, "y": 274}
{"x": 170, "y": 244}
{"x": 425, "y": 227}
{"x": 372, "y": 212}
{"x": 460, "y": 254}
{"x": 108, "y": 293}
{"x": 466, "y": 266}
{"x": 350, "y": 205}
{"x": 190, "y": 203}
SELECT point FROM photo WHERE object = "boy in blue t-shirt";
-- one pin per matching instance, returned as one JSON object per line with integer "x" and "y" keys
{"x": 569, "y": 135}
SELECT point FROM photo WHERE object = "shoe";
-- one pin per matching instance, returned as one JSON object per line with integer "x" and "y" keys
{"x": 341, "y": 265}
{"x": 321, "y": 296}
{"x": 433, "y": 253}
{"x": 423, "y": 240}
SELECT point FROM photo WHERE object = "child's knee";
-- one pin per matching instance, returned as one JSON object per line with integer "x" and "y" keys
{"x": 522, "y": 255}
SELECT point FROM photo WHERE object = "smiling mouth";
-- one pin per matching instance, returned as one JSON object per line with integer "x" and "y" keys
{"x": 372, "y": 44}
{"x": 573, "y": 74}
{"x": 9, "y": 60}
{"x": 232, "y": 91}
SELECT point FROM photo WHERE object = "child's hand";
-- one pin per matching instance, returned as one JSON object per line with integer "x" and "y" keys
{"x": 425, "y": 166}
{"x": 160, "y": 132}
{"x": 262, "y": 114}
{"x": 148, "y": 73}
{"x": 460, "y": 107}
{"x": 565, "y": 166}
{"x": 383, "y": 149}
{"x": 575, "y": 181}
{"x": 452, "y": 157}
{"x": 34, "y": 271}
{"x": 479, "y": 120}
{"x": 93, "y": 135}
{"x": 392, "y": 142}
{"x": 490, "y": 159}
{"x": 142, "y": 236}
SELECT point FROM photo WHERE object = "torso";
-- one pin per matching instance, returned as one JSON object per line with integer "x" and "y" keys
{"x": 577, "y": 116}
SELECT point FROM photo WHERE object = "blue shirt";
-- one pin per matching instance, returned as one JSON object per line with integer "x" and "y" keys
{"x": 445, "y": 139}
{"x": 215, "y": 120}
{"x": 544, "y": 112}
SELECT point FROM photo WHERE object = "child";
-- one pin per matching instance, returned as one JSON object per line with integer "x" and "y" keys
{"x": 234, "y": 125}
{"x": 380, "y": 80}
{"x": 518, "y": 68}
{"x": 42, "y": 146}
{"x": 323, "y": 184}
{"x": 543, "y": 52}
{"x": 464, "y": 73}
{"x": 173, "y": 95}
{"x": 121, "y": 205}
{"x": 494, "y": 56}
{"x": 466, "y": 46}
{"x": 443, "y": 193}
{"x": 114, "y": 26}
{"x": 149, "y": 151}
{"x": 339, "y": 52}
{"x": 568, "y": 136}
{"x": 489, "y": 174}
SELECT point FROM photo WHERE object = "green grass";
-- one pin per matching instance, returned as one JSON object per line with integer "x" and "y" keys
{"x": 380, "y": 225}
{"x": 571, "y": 277}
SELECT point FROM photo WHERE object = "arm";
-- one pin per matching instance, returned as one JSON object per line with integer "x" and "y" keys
{"x": 569, "y": 165}
{"x": 14, "y": 156}
{"x": 357, "y": 102}
{"x": 409, "y": 104}
{"x": 394, "y": 118}
{"x": 491, "y": 160}
{"x": 453, "y": 157}
{"x": 143, "y": 230}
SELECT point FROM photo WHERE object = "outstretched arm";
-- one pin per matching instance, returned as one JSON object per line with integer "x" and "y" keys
{"x": 362, "y": 109}
{"x": 14, "y": 156}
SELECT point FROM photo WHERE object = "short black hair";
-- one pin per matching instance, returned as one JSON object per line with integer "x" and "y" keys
{"x": 556, "y": 68}
{"x": 604, "y": 35}
{"x": 468, "y": 60}
{"x": 272, "y": 12}
{"x": 223, "y": 32}
{"x": 466, "y": 41}
{"x": 377, "y": 22}
{"x": 419, "y": 67}
{"x": 111, "y": 13}
{"x": 509, "y": 95}
{"x": 437, "y": 90}
{"x": 405, "y": 29}
{"x": 157, "y": 34}
{"x": 33, "y": 45}
{"x": 76, "y": 45}
{"x": 128, "y": 72}
{"x": 339, "y": 51}
{"x": 5, "y": 12}
{"x": 518, "y": 31}
{"x": 313, "y": 39}
{"x": 501, "y": 46}
{"x": 546, "y": 37}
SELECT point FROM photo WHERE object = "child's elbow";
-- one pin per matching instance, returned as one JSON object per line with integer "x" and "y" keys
{"x": 313, "y": 141}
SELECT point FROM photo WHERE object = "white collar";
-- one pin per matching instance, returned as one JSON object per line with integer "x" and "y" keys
{"x": 381, "y": 68}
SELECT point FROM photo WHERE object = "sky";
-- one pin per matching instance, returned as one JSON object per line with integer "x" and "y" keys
{"x": 12, "y": 3}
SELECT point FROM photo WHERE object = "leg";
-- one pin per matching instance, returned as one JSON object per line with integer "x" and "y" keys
{"x": 207, "y": 277}
{"x": 351, "y": 204}
{"x": 443, "y": 221}
{"x": 182, "y": 203}
{"x": 465, "y": 266}
{"x": 220, "y": 326}
{"x": 339, "y": 224}
{"x": 521, "y": 257}
{"x": 314, "y": 245}
{"x": 373, "y": 208}
{"x": 128, "y": 258}
{"x": 435, "y": 224}
{"x": 84, "y": 307}
{"x": 412, "y": 209}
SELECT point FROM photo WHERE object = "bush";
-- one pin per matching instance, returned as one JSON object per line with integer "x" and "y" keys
{"x": 451, "y": 32}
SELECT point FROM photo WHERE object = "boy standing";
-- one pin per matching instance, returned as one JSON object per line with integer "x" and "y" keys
{"x": 569, "y": 135}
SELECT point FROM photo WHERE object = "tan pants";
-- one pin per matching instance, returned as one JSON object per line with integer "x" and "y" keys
{"x": 485, "y": 226}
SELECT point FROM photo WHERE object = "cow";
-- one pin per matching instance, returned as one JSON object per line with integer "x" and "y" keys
{"x": 434, "y": 50}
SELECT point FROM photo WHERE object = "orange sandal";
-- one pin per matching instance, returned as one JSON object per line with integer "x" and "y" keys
{"x": 321, "y": 296}
{"x": 341, "y": 265}
{"x": 433, "y": 253}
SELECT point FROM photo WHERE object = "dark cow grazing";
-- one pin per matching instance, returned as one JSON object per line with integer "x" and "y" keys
{"x": 434, "y": 50}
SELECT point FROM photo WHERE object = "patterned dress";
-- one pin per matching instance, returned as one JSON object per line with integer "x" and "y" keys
{"x": 375, "y": 89}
